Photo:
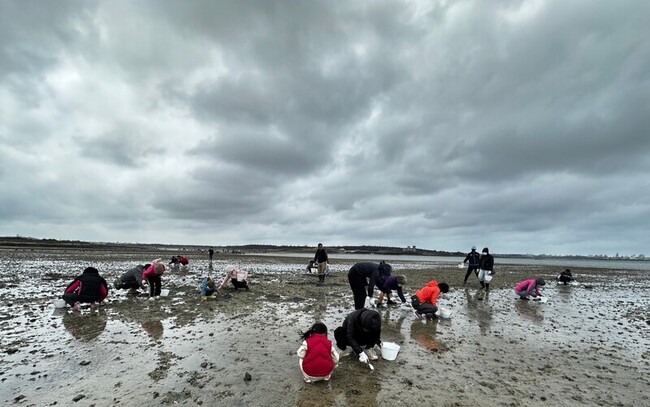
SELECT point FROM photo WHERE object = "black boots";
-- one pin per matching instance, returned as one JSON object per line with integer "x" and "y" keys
{"x": 321, "y": 278}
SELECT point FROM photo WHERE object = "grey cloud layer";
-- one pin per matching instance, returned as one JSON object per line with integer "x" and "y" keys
{"x": 521, "y": 125}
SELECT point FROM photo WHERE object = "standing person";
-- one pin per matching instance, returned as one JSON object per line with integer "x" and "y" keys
{"x": 486, "y": 269}
{"x": 318, "y": 358}
{"x": 89, "y": 287}
{"x": 386, "y": 285}
{"x": 152, "y": 275}
{"x": 473, "y": 259}
{"x": 362, "y": 277}
{"x": 565, "y": 277}
{"x": 132, "y": 279}
{"x": 238, "y": 277}
{"x": 321, "y": 260}
{"x": 529, "y": 288}
{"x": 210, "y": 254}
{"x": 425, "y": 300}
{"x": 360, "y": 328}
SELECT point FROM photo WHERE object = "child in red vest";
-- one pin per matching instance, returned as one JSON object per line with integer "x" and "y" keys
{"x": 318, "y": 358}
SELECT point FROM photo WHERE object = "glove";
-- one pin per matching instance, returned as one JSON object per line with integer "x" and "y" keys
{"x": 372, "y": 302}
{"x": 145, "y": 283}
{"x": 363, "y": 358}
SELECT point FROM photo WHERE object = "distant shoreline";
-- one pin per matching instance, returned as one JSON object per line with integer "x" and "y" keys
{"x": 27, "y": 243}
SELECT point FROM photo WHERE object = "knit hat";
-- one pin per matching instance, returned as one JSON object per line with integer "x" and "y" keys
{"x": 485, "y": 250}
{"x": 158, "y": 268}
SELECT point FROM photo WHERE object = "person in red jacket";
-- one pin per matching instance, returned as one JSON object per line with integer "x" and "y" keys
{"x": 89, "y": 287}
{"x": 318, "y": 358}
{"x": 425, "y": 300}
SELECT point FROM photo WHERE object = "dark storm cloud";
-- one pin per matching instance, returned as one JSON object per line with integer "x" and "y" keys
{"x": 520, "y": 125}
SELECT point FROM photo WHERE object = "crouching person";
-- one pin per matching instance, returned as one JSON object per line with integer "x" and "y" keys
{"x": 360, "y": 328}
{"x": 132, "y": 279}
{"x": 238, "y": 277}
{"x": 89, "y": 287}
{"x": 425, "y": 300}
{"x": 207, "y": 287}
{"x": 152, "y": 277}
{"x": 318, "y": 358}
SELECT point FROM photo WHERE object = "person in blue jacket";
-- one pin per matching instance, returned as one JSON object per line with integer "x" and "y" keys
{"x": 207, "y": 287}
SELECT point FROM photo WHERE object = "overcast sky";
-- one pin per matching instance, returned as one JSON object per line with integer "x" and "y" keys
{"x": 523, "y": 126}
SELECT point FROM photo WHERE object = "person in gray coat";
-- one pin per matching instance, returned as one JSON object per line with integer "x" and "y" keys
{"x": 132, "y": 279}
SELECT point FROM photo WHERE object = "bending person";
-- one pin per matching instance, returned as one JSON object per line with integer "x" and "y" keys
{"x": 360, "y": 328}
{"x": 238, "y": 277}
{"x": 362, "y": 278}
{"x": 528, "y": 288}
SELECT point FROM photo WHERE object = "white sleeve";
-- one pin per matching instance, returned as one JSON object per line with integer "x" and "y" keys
{"x": 302, "y": 350}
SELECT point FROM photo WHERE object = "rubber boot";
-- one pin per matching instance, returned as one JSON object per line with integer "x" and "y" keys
{"x": 487, "y": 286}
{"x": 321, "y": 278}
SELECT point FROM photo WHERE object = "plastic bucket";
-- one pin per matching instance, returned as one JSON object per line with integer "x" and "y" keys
{"x": 60, "y": 303}
{"x": 444, "y": 313}
{"x": 164, "y": 292}
{"x": 389, "y": 350}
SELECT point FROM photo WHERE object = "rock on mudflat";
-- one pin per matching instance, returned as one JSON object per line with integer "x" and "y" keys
{"x": 78, "y": 397}
{"x": 248, "y": 377}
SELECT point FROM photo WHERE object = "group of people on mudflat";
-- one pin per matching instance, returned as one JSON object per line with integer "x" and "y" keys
{"x": 91, "y": 288}
{"x": 360, "y": 330}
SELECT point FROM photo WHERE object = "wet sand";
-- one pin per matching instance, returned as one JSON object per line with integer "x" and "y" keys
{"x": 589, "y": 345}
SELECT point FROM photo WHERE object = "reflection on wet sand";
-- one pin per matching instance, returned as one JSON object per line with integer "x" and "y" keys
{"x": 85, "y": 326}
{"x": 424, "y": 333}
{"x": 479, "y": 309}
{"x": 153, "y": 327}
{"x": 529, "y": 310}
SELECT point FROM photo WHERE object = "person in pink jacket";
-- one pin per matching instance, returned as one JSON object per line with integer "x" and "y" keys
{"x": 318, "y": 358}
{"x": 529, "y": 288}
{"x": 238, "y": 277}
{"x": 152, "y": 275}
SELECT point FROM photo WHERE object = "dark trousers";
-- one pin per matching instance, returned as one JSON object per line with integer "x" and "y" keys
{"x": 469, "y": 271}
{"x": 71, "y": 298}
{"x": 239, "y": 284}
{"x": 155, "y": 284}
{"x": 358, "y": 285}
{"x": 126, "y": 283}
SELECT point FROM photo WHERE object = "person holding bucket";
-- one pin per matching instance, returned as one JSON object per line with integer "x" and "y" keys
{"x": 318, "y": 358}
{"x": 486, "y": 269}
{"x": 425, "y": 300}
{"x": 152, "y": 275}
{"x": 360, "y": 328}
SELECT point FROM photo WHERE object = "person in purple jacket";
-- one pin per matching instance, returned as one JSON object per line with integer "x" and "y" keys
{"x": 386, "y": 285}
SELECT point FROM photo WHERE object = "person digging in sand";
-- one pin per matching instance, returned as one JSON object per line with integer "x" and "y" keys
{"x": 89, "y": 287}
{"x": 425, "y": 300}
{"x": 318, "y": 358}
{"x": 360, "y": 328}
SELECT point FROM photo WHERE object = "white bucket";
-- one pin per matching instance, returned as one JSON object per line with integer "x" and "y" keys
{"x": 389, "y": 350}
{"x": 461, "y": 265}
{"x": 164, "y": 292}
{"x": 60, "y": 303}
{"x": 444, "y": 313}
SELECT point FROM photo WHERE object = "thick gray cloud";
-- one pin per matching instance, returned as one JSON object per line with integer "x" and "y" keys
{"x": 518, "y": 125}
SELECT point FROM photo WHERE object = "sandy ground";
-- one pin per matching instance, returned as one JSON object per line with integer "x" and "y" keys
{"x": 589, "y": 345}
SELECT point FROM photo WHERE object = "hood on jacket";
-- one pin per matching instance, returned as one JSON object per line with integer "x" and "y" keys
{"x": 371, "y": 321}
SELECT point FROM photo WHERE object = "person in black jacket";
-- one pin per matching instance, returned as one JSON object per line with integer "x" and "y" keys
{"x": 486, "y": 269}
{"x": 321, "y": 260}
{"x": 360, "y": 328}
{"x": 473, "y": 259}
{"x": 362, "y": 277}
{"x": 89, "y": 287}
